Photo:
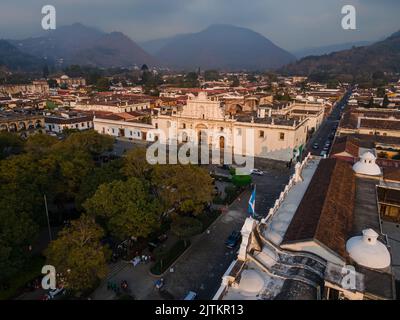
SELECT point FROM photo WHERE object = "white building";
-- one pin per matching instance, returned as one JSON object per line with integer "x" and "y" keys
{"x": 68, "y": 120}
{"x": 205, "y": 120}
{"x": 323, "y": 239}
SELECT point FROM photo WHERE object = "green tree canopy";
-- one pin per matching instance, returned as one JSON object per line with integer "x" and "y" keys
{"x": 103, "y": 84}
{"x": 78, "y": 255}
{"x": 88, "y": 141}
{"x": 211, "y": 75}
{"x": 127, "y": 208}
{"x": 10, "y": 143}
{"x": 105, "y": 174}
{"x": 186, "y": 188}
{"x": 136, "y": 165}
{"x": 39, "y": 144}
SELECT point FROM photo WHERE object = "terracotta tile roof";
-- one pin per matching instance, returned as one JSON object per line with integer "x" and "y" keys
{"x": 61, "y": 120}
{"x": 388, "y": 195}
{"x": 392, "y": 174}
{"x": 380, "y": 124}
{"x": 325, "y": 213}
{"x": 345, "y": 144}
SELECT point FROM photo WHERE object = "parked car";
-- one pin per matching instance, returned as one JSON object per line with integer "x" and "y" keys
{"x": 323, "y": 153}
{"x": 191, "y": 295}
{"x": 257, "y": 172}
{"x": 315, "y": 146}
{"x": 53, "y": 293}
{"x": 233, "y": 239}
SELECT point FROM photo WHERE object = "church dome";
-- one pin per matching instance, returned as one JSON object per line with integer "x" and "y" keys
{"x": 367, "y": 251}
{"x": 251, "y": 282}
{"x": 366, "y": 165}
{"x": 64, "y": 77}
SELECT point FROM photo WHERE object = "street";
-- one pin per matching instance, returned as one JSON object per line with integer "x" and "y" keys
{"x": 322, "y": 135}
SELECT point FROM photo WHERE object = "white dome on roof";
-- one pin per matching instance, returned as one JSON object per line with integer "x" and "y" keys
{"x": 366, "y": 165}
{"x": 251, "y": 282}
{"x": 64, "y": 77}
{"x": 368, "y": 156}
{"x": 367, "y": 251}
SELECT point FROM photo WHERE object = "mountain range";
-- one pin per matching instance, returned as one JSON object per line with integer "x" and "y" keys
{"x": 14, "y": 59}
{"x": 382, "y": 56}
{"x": 79, "y": 44}
{"x": 223, "y": 47}
{"x": 319, "y": 51}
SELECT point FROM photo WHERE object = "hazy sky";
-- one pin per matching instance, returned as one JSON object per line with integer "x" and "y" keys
{"x": 291, "y": 24}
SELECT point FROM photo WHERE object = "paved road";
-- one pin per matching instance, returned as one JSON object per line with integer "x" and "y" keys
{"x": 202, "y": 266}
{"x": 327, "y": 128}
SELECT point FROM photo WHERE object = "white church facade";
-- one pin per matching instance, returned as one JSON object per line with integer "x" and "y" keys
{"x": 204, "y": 120}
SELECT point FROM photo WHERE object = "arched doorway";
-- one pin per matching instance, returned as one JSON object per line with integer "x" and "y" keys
{"x": 12, "y": 127}
{"x": 202, "y": 136}
{"x": 221, "y": 142}
{"x": 185, "y": 137}
{"x": 22, "y": 126}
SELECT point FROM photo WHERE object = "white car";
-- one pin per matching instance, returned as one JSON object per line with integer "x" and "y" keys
{"x": 191, "y": 296}
{"x": 257, "y": 172}
{"x": 53, "y": 293}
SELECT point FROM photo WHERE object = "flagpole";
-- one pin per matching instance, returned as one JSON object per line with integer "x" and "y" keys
{"x": 254, "y": 212}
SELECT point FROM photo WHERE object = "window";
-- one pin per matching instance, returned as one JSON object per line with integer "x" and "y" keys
{"x": 221, "y": 129}
{"x": 183, "y": 125}
{"x": 261, "y": 134}
{"x": 281, "y": 136}
{"x": 156, "y": 125}
{"x": 239, "y": 132}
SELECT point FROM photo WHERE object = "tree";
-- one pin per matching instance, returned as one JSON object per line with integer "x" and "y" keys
{"x": 136, "y": 165}
{"x": 105, "y": 174}
{"x": 10, "y": 144}
{"x": 88, "y": 141}
{"x": 235, "y": 81}
{"x": 52, "y": 83}
{"x": 78, "y": 255}
{"x": 186, "y": 227}
{"x": 386, "y": 101}
{"x": 127, "y": 208}
{"x": 17, "y": 232}
{"x": 40, "y": 144}
{"x": 23, "y": 181}
{"x": 380, "y": 92}
{"x": 102, "y": 84}
{"x": 211, "y": 75}
{"x": 185, "y": 188}
{"x": 191, "y": 80}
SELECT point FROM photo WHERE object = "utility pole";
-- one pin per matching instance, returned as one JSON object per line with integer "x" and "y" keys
{"x": 47, "y": 215}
